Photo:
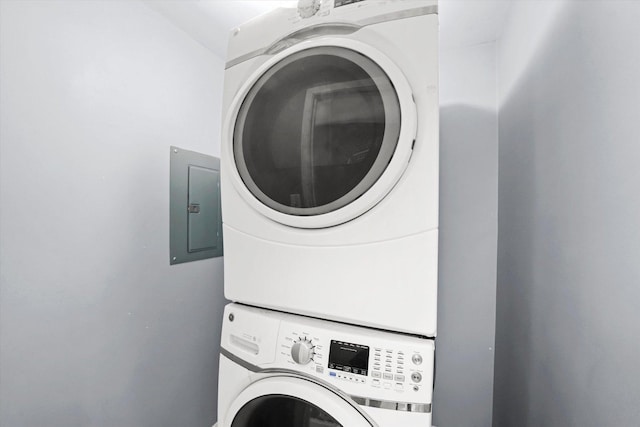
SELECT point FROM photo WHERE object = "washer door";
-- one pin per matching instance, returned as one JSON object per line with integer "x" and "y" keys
{"x": 322, "y": 132}
{"x": 292, "y": 402}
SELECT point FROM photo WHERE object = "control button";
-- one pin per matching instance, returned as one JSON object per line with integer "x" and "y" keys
{"x": 399, "y": 386}
{"x": 389, "y": 351}
{"x": 308, "y": 8}
{"x": 375, "y": 383}
{"x": 332, "y": 374}
{"x": 375, "y": 374}
{"x": 416, "y": 377}
{"x": 387, "y": 385}
{"x": 400, "y": 362}
{"x": 399, "y": 378}
{"x": 387, "y": 376}
{"x": 302, "y": 351}
{"x": 416, "y": 359}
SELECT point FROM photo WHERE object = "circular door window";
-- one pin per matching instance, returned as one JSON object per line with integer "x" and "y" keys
{"x": 316, "y": 131}
{"x": 282, "y": 411}
{"x": 288, "y": 401}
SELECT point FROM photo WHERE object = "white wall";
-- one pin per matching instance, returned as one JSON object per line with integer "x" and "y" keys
{"x": 568, "y": 323}
{"x": 468, "y": 236}
{"x": 95, "y": 327}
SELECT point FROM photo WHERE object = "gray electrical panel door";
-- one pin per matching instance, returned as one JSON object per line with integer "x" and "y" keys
{"x": 204, "y": 208}
{"x": 195, "y": 211}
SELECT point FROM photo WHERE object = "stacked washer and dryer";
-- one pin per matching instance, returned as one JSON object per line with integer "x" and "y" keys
{"x": 329, "y": 172}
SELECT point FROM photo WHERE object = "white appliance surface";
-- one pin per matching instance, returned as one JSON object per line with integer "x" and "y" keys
{"x": 329, "y": 164}
{"x": 288, "y": 370}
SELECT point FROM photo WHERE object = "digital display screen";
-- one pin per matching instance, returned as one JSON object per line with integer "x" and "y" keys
{"x": 339, "y": 3}
{"x": 348, "y": 357}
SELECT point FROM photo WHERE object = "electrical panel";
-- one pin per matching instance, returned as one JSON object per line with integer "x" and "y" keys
{"x": 195, "y": 213}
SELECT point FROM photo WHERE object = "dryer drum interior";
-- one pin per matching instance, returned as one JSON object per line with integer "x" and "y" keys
{"x": 316, "y": 131}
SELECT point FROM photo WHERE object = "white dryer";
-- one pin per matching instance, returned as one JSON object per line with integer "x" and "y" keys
{"x": 329, "y": 164}
{"x": 283, "y": 370}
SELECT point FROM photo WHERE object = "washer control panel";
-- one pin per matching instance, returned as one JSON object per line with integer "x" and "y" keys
{"x": 360, "y": 361}
{"x": 396, "y": 368}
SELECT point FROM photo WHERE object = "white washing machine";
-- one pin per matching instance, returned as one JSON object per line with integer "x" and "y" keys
{"x": 283, "y": 370}
{"x": 330, "y": 162}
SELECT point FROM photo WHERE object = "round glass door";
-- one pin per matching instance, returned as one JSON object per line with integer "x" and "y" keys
{"x": 291, "y": 401}
{"x": 282, "y": 411}
{"x": 316, "y": 131}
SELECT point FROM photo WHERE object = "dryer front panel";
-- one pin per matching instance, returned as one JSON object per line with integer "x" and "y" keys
{"x": 321, "y": 133}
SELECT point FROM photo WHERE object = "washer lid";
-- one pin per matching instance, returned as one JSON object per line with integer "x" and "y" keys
{"x": 322, "y": 133}
{"x": 285, "y": 401}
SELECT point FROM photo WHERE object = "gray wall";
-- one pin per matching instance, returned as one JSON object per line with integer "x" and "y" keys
{"x": 95, "y": 328}
{"x": 568, "y": 317}
{"x": 468, "y": 237}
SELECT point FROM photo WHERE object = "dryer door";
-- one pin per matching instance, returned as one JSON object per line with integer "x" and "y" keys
{"x": 322, "y": 132}
{"x": 293, "y": 402}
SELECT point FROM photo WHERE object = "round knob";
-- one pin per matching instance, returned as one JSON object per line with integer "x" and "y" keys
{"x": 417, "y": 359}
{"x": 302, "y": 351}
{"x": 416, "y": 377}
{"x": 308, "y": 8}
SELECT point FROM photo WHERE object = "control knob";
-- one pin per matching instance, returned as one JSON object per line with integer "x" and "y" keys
{"x": 308, "y": 8}
{"x": 302, "y": 351}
